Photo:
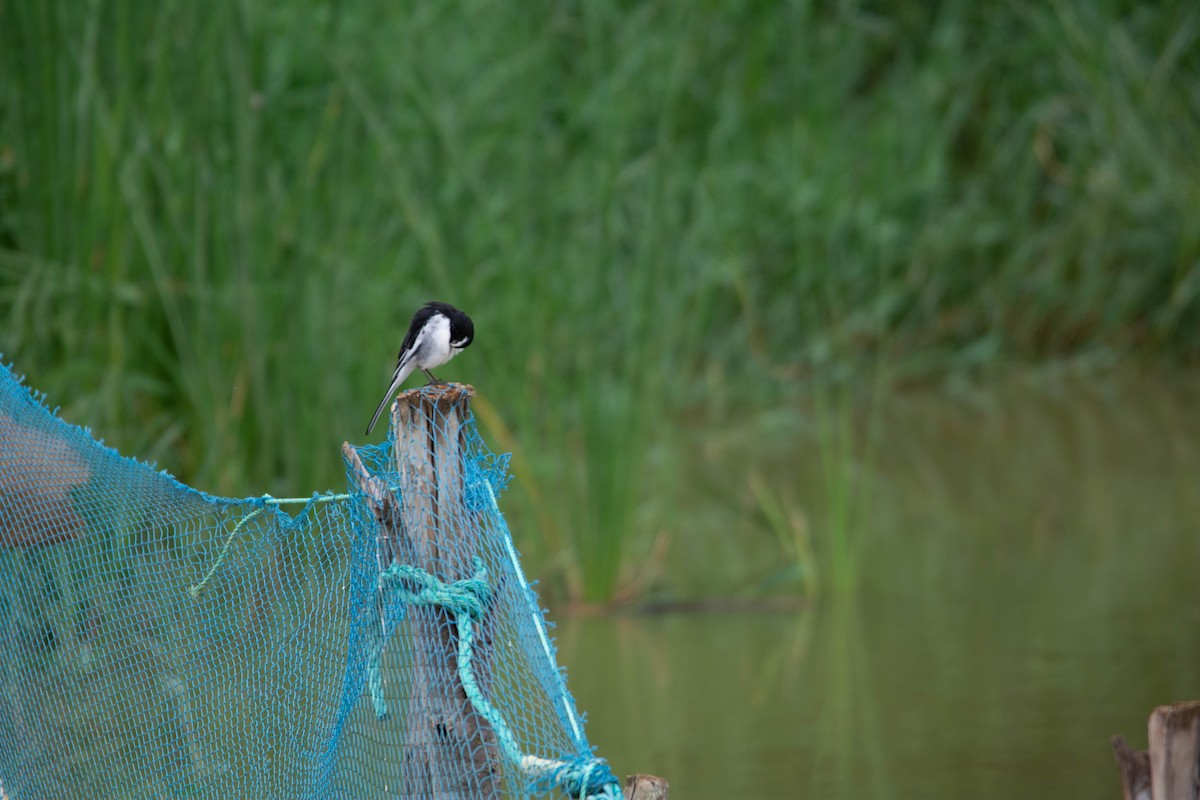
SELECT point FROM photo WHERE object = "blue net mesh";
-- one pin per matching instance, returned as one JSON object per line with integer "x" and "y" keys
{"x": 156, "y": 641}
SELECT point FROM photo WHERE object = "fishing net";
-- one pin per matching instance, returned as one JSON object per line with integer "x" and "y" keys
{"x": 157, "y": 641}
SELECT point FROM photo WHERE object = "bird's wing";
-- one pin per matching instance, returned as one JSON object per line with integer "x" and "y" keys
{"x": 415, "y": 329}
{"x": 414, "y": 340}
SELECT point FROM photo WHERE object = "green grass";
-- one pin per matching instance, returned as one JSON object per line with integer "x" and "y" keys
{"x": 215, "y": 221}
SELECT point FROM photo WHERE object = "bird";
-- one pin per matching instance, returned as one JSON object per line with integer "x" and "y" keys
{"x": 438, "y": 332}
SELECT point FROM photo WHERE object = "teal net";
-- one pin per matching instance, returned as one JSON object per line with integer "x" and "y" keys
{"x": 157, "y": 641}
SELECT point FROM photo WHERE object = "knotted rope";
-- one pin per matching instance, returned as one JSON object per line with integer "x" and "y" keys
{"x": 584, "y": 777}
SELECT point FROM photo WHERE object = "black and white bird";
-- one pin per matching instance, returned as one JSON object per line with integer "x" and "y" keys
{"x": 438, "y": 332}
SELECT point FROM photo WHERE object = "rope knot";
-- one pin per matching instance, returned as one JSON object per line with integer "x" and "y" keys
{"x": 470, "y": 596}
{"x": 584, "y": 777}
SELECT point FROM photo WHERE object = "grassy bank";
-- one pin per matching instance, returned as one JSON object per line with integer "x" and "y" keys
{"x": 215, "y": 221}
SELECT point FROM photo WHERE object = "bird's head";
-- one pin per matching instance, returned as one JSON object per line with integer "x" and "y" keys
{"x": 462, "y": 330}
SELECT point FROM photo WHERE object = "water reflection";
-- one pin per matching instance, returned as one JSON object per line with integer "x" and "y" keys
{"x": 1026, "y": 589}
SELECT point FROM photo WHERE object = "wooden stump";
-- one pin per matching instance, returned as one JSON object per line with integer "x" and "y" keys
{"x": 1170, "y": 770}
{"x": 645, "y": 787}
{"x": 1175, "y": 751}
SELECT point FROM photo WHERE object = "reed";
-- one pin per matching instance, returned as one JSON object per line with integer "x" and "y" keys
{"x": 214, "y": 222}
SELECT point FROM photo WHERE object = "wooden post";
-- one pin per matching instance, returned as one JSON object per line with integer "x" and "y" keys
{"x": 450, "y": 753}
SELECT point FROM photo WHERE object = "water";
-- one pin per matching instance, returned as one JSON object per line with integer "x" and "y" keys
{"x": 1027, "y": 587}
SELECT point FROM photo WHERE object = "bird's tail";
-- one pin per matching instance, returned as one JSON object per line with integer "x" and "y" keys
{"x": 378, "y": 411}
{"x": 402, "y": 373}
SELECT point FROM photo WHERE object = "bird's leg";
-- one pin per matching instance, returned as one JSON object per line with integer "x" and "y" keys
{"x": 432, "y": 380}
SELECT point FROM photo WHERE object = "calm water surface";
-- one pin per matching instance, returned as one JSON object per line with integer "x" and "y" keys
{"x": 1027, "y": 587}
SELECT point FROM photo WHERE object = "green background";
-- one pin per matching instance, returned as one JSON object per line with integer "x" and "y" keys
{"x": 665, "y": 218}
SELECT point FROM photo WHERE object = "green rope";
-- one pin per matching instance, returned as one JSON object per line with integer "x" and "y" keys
{"x": 469, "y": 596}
{"x": 468, "y": 599}
{"x": 265, "y": 501}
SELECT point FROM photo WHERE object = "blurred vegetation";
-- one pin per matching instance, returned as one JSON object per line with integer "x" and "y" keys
{"x": 216, "y": 219}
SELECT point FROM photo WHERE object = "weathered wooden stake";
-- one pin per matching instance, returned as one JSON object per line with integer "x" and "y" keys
{"x": 451, "y": 753}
